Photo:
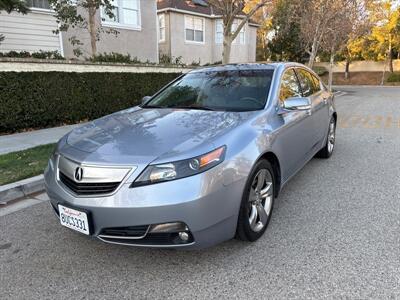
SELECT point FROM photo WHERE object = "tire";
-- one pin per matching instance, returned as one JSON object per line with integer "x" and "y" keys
{"x": 327, "y": 151}
{"x": 254, "y": 203}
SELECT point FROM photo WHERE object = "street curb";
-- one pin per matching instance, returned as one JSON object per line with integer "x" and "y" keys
{"x": 365, "y": 86}
{"x": 21, "y": 189}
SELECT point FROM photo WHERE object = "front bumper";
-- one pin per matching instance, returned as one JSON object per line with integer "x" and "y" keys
{"x": 205, "y": 203}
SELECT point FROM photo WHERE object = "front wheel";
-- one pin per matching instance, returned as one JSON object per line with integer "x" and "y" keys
{"x": 257, "y": 203}
{"x": 327, "y": 151}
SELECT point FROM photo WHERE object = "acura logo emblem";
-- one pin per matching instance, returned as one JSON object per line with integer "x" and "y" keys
{"x": 78, "y": 174}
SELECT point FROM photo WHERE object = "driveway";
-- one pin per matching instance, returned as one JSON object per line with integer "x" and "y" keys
{"x": 335, "y": 232}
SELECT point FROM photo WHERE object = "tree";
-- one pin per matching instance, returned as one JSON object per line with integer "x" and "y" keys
{"x": 285, "y": 43}
{"x": 263, "y": 18}
{"x": 386, "y": 33}
{"x": 231, "y": 10}
{"x": 349, "y": 25}
{"x": 262, "y": 43}
{"x": 82, "y": 14}
{"x": 314, "y": 17}
{"x": 353, "y": 51}
{"x": 339, "y": 30}
{"x": 355, "y": 42}
{"x": 361, "y": 27}
{"x": 12, "y": 5}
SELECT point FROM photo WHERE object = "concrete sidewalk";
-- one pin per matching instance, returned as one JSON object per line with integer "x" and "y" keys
{"x": 29, "y": 139}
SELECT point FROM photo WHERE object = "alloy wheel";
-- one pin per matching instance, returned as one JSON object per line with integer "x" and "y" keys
{"x": 260, "y": 200}
{"x": 331, "y": 135}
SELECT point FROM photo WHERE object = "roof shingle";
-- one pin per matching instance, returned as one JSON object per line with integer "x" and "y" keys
{"x": 187, "y": 5}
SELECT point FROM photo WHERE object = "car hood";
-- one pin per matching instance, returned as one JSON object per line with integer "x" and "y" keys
{"x": 147, "y": 134}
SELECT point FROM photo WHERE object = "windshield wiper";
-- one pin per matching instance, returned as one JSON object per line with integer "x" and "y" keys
{"x": 192, "y": 107}
{"x": 154, "y": 106}
{"x": 179, "y": 107}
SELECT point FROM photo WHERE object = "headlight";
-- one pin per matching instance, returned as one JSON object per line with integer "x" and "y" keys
{"x": 52, "y": 158}
{"x": 180, "y": 169}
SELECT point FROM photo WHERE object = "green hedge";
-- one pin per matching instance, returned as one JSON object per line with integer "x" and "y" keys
{"x": 44, "y": 99}
{"x": 394, "y": 77}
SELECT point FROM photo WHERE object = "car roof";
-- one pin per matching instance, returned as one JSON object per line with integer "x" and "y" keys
{"x": 245, "y": 66}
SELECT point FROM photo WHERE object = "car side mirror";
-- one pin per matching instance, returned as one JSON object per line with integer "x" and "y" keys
{"x": 145, "y": 99}
{"x": 297, "y": 103}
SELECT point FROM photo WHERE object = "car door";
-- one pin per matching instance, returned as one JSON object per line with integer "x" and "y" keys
{"x": 295, "y": 132}
{"x": 324, "y": 100}
{"x": 319, "y": 107}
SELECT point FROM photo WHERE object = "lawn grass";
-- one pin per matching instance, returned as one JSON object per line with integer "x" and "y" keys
{"x": 23, "y": 164}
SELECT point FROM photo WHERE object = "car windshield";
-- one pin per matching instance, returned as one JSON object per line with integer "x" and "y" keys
{"x": 238, "y": 90}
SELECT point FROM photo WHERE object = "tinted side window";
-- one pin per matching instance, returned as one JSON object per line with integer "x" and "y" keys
{"x": 306, "y": 82}
{"x": 317, "y": 84}
{"x": 289, "y": 86}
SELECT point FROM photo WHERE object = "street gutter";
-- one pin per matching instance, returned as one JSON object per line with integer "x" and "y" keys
{"x": 21, "y": 189}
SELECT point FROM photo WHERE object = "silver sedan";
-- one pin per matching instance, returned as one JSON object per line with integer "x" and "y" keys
{"x": 198, "y": 163}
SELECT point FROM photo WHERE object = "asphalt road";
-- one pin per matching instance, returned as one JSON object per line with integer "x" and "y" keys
{"x": 335, "y": 233}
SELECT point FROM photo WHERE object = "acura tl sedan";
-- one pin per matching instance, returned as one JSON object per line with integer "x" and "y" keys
{"x": 198, "y": 163}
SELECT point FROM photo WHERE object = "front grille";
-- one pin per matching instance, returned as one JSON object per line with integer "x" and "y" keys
{"x": 131, "y": 231}
{"x": 91, "y": 188}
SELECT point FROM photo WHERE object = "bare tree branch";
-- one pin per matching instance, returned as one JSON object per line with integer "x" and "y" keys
{"x": 230, "y": 11}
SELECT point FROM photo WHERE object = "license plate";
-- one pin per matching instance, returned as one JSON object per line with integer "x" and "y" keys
{"x": 74, "y": 219}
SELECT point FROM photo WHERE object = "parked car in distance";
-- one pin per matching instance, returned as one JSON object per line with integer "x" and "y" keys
{"x": 198, "y": 163}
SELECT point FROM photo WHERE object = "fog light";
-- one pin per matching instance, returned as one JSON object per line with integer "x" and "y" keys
{"x": 168, "y": 227}
{"x": 184, "y": 236}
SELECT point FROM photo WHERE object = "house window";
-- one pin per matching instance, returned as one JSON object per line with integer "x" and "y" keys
{"x": 126, "y": 14}
{"x": 219, "y": 32}
{"x": 43, "y": 4}
{"x": 240, "y": 39}
{"x": 194, "y": 29}
{"x": 161, "y": 28}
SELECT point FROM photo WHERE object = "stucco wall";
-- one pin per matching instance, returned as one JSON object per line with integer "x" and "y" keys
{"x": 31, "y": 32}
{"x": 240, "y": 53}
{"x": 190, "y": 52}
{"x": 252, "y": 43}
{"x": 24, "y": 65}
{"x": 142, "y": 44}
{"x": 362, "y": 66}
{"x": 207, "y": 52}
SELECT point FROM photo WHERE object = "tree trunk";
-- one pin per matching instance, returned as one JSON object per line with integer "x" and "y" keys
{"x": 92, "y": 29}
{"x": 383, "y": 73}
{"x": 331, "y": 62}
{"x": 226, "y": 54}
{"x": 264, "y": 47}
{"x": 390, "y": 56}
{"x": 347, "y": 70}
{"x": 313, "y": 54}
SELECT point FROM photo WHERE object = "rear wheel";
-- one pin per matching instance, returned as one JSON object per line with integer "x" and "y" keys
{"x": 327, "y": 151}
{"x": 257, "y": 203}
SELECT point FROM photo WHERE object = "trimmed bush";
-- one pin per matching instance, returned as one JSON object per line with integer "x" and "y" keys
{"x": 114, "y": 57}
{"x": 44, "y": 99}
{"x": 394, "y": 77}
{"x": 40, "y": 55}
